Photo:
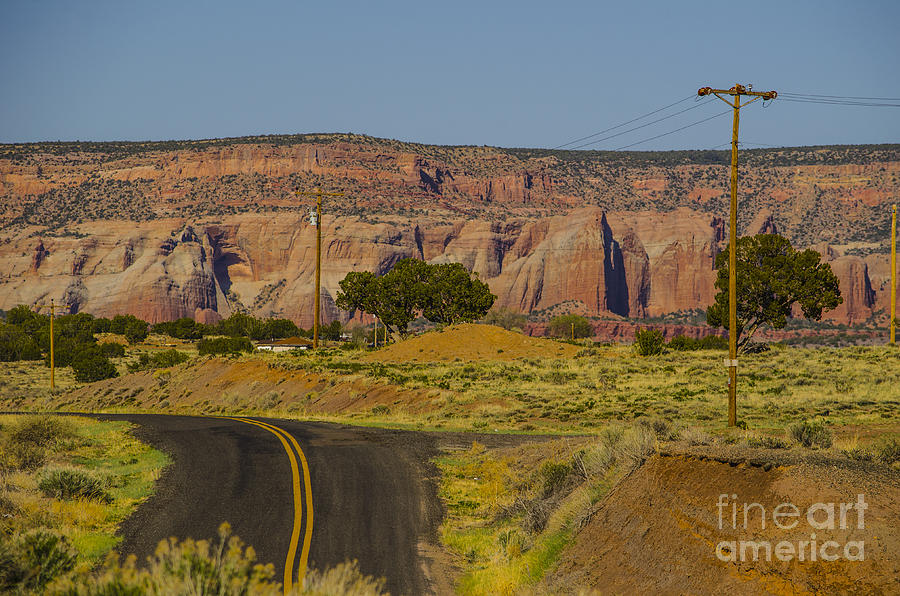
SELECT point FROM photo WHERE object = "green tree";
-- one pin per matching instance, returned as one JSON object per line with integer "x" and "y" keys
{"x": 771, "y": 278}
{"x": 562, "y": 325}
{"x": 443, "y": 293}
{"x": 15, "y": 344}
{"x": 452, "y": 295}
{"x": 119, "y": 323}
{"x": 223, "y": 345}
{"x": 183, "y": 328}
{"x": 401, "y": 294}
{"x": 136, "y": 331}
{"x": 91, "y": 365}
{"x": 242, "y": 325}
{"x": 280, "y": 328}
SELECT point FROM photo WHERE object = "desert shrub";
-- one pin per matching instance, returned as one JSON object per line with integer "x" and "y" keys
{"x": 616, "y": 447}
{"x": 224, "y": 345}
{"x": 28, "y": 562}
{"x": 662, "y": 428}
{"x": 21, "y": 456}
{"x": 536, "y": 514}
{"x": 40, "y": 431}
{"x": 696, "y": 436}
{"x": 506, "y": 318}
{"x": 683, "y": 342}
{"x": 93, "y": 366}
{"x": 767, "y": 442}
{"x": 812, "y": 434}
{"x": 636, "y": 446}
{"x": 649, "y": 342}
{"x": 225, "y": 568}
{"x": 163, "y": 359}
{"x": 562, "y": 326}
{"x": 343, "y": 580}
{"x": 888, "y": 452}
{"x": 712, "y": 342}
{"x": 553, "y": 476}
{"x": 71, "y": 483}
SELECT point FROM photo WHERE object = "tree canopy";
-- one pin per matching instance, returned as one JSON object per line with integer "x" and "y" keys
{"x": 443, "y": 293}
{"x": 771, "y": 278}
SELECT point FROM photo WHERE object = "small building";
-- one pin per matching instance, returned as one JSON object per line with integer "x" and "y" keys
{"x": 285, "y": 345}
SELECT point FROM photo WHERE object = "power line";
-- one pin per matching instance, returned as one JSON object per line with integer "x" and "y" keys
{"x": 840, "y": 102}
{"x": 624, "y": 123}
{"x": 619, "y": 134}
{"x": 665, "y": 134}
{"x": 789, "y": 94}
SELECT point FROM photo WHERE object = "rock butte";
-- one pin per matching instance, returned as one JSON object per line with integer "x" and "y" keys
{"x": 201, "y": 232}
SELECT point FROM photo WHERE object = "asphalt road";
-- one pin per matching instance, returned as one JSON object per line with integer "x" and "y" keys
{"x": 373, "y": 494}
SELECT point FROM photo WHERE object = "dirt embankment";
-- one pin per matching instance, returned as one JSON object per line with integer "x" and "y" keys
{"x": 220, "y": 385}
{"x": 468, "y": 341}
{"x": 663, "y": 531}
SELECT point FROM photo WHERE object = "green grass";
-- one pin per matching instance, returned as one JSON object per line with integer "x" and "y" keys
{"x": 119, "y": 466}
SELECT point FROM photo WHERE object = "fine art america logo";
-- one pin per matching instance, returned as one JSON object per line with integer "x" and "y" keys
{"x": 822, "y": 517}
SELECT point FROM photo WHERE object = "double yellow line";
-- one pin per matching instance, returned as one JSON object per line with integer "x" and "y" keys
{"x": 300, "y": 495}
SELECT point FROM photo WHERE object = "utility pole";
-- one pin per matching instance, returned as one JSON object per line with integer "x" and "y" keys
{"x": 737, "y": 91}
{"x": 893, "y": 271}
{"x": 53, "y": 306}
{"x": 318, "y": 223}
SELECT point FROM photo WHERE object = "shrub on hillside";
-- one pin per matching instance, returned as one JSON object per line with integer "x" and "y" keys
{"x": 812, "y": 434}
{"x": 506, "y": 318}
{"x": 565, "y": 325}
{"x": 70, "y": 484}
{"x": 228, "y": 568}
{"x": 710, "y": 342}
{"x": 224, "y": 345}
{"x": 28, "y": 562}
{"x": 40, "y": 431}
{"x": 649, "y": 342}
{"x": 93, "y": 366}
{"x": 163, "y": 359}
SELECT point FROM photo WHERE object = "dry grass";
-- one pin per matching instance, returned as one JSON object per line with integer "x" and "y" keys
{"x": 511, "y": 511}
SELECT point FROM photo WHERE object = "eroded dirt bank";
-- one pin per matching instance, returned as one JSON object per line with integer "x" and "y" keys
{"x": 659, "y": 530}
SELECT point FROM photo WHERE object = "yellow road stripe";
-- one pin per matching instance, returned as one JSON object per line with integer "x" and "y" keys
{"x": 298, "y": 507}
{"x": 307, "y": 535}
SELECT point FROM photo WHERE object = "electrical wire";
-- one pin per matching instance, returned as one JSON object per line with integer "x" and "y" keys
{"x": 596, "y": 134}
{"x": 665, "y": 134}
{"x": 839, "y": 102}
{"x": 813, "y": 95}
{"x": 619, "y": 134}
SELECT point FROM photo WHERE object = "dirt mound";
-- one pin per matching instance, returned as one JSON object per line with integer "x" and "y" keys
{"x": 468, "y": 341}
{"x": 660, "y": 532}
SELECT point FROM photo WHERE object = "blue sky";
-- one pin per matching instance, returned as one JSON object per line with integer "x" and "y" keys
{"x": 514, "y": 74}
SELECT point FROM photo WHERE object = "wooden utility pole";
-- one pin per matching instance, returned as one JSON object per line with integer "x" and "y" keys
{"x": 737, "y": 91}
{"x": 53, "y": 306}
{"x": 318, "y": 223}
{"x": 893, "y": 271}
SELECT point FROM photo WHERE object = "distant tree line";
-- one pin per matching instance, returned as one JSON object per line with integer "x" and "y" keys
{"x": 25, "y": 335}
{"x": 244, "y": 325}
